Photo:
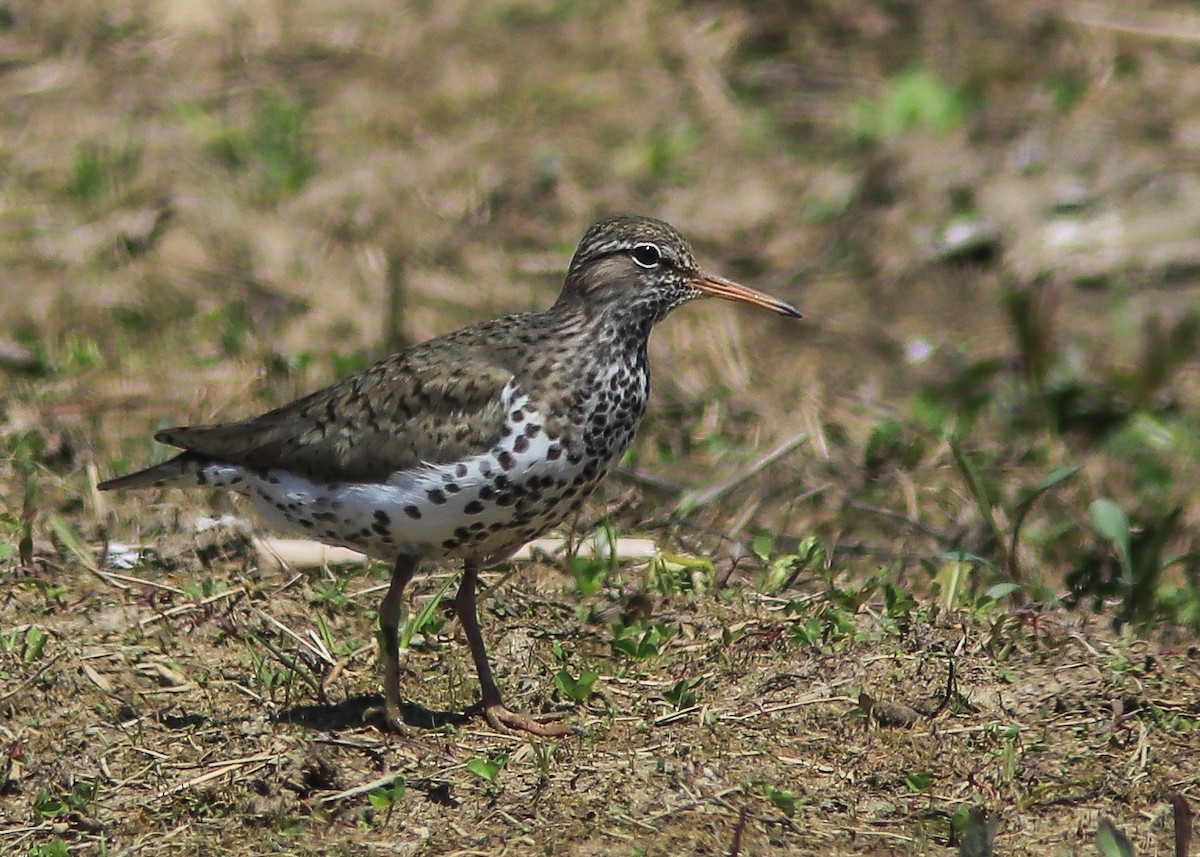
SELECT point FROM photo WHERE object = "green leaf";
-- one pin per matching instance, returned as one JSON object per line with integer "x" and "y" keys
{"x": 384, "y": 796}
{"x": 919, "y": 782}
{"x": 487, "y": 769}
{"x": 1000, "y": 590}
{"x": 73, "y": 543}
{"x": 35, "y": 642}
{"x": 681, "y": 695}
{"x": 1112, "y": 842}
{"x": 416, "y": 624}
{"x": 783, "y": 799}
{"x": 1111, "y": 522}
{"x": 762, "y": 546}
{"x": 577, "y": 689}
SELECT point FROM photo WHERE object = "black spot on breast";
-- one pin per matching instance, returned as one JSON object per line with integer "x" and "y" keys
{"x": 521, "y": 444}
{"x": 474, "y": 507}
{"x": 487, "y": 492}
{"x": 517, "y": 416}
{"x": 382, "y": 517}
{"x": 506, "y": 460}
{"x": 273, "y": 480}
{"x": 306, "y": 523}
{"x": 554, "y": 452}
{"x": 460, "y": 470}
{"x": 380, "y": 528}
{"x": 435, "y": 496}
{"x": 462, "y": 533}
{"x": 450, "y": 544}
{"x": 532, "y": 430}
{"x": 412, "y": 512}
{"x": 453, "y": 487}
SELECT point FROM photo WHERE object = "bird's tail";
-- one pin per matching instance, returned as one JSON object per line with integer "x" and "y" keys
{"x": 182, "y": 470}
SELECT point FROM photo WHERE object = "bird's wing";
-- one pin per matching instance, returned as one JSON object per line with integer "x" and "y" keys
{"x": 392, "y": 416}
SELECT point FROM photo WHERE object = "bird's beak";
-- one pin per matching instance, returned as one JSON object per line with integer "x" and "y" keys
{"x": 719, "y": 287}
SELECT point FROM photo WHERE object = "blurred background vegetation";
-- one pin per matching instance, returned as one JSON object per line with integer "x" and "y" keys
{"x": 989, "y": 212}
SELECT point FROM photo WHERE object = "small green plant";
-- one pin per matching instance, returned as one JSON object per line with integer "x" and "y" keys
{"x": 386, "y": 797}
{"x": 101, "y": 170}
{"x": 891, "y": 444}
{"x": 919, "y": 781}
{"x": 337, "y": 645}
{"x": 543, "y": 757}
{"x": 784, "y": 570}
{"x": 488, "y": 769}
{"x": 671, "y": 573}
{"x": 784, "y": 800}
{"x": 54, "y": 848}
{"x": 833, "y": 623}
{"x": 681, "y": 695}
{"x": 1005, "y": 547}
{"x": 808, "y": 632}
{"x": 578, "y": 690}
{"x": 638, "y": 641}
{"x": 590, "y": 572}
{"x": 83, "y": 793}
{"x": 34, "y": 644}
{"x": 914, "y": 100}
{"x": 666, "y": 150}
{"x": 1138, "y": 552}
{"x": 330, "y": 594}
{"x": 425, "y": 621}
{"x": 275, "y": 147}
{"x": 207, "y": 587}
{"x": 1112, "y": 842}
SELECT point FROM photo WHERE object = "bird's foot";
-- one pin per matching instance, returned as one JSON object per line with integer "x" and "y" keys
{"x": 387, "y": 716}
{"x": 503, "y": 720}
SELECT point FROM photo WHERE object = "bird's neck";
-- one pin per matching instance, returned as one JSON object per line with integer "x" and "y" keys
{"x": 618, "y": 332}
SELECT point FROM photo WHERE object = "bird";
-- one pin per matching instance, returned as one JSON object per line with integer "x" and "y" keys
{"x": 468, "y": 445}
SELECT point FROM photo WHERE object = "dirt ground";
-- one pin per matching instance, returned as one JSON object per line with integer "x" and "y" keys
{"x": 862, "y": 616}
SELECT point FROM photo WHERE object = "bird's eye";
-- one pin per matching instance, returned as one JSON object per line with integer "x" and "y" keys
{"x": 647, "y": 255}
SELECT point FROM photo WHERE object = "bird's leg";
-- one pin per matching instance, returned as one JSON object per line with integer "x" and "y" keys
{"x": 389, "y": 626}
{"x": 493, "y": 708}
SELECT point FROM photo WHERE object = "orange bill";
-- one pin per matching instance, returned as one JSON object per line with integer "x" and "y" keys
{"x": 719, "y": 287}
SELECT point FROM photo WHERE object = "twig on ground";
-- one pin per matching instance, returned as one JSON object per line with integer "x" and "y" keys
{"x": 692, "y": 501}
{"x": 188, "y": 608}
{"x": 38, "y": 674}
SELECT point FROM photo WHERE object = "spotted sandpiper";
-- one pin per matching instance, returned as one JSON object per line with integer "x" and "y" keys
{"x": 468, "y": 445}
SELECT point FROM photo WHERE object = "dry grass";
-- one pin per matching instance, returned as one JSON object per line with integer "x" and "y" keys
{"x": 209, "y": 209}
